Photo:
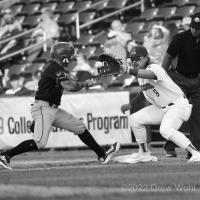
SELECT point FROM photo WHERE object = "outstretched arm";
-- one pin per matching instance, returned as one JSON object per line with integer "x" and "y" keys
{"x": 142, "y": 73}
{"x": 74, "y": 86}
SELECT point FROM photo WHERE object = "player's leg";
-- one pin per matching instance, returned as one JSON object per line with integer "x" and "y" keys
{"x": 67, "y": 121}
{"x": 43, "y": 118}
{"x": 148, "y": 115}
{"x": 170, "y": 124}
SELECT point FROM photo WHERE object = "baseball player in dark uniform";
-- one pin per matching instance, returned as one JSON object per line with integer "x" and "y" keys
{"x": 46, "y": 113}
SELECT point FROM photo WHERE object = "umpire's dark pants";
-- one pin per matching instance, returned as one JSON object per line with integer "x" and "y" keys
{"x": 191, "y": 88}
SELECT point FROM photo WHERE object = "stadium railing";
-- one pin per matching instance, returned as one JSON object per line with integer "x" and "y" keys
{"x": 79, "y": 27}
{"x": 23, "y": 49}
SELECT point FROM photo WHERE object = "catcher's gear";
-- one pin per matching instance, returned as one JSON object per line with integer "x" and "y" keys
{"x": 108, "y": 65}
{"x": 62, "y": 52}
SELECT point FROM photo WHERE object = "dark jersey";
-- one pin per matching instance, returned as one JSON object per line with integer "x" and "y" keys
{"x": 48, "y": 88}
{"x": 188, "y": 50}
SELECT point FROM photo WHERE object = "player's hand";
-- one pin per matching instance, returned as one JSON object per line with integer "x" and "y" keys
{"x": 125, "y": 107}
{"x": 124, "y": 69}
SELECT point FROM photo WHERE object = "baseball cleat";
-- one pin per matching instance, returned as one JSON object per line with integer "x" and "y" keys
{"x": 4, "y": 162}
{"x": 189, "y": 155}
{"x": 110, "y": 151}
{"x": 195, "y": 158}
{"x": 169, "y": 151}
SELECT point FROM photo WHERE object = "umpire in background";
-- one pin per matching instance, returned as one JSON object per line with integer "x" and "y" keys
{"x": 186, "y": 47}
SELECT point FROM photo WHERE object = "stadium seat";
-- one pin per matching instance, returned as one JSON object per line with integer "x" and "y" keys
{"x": 64, "y": 7}
{"x": 31, "y": 21}
{"x": 139, "y": 37}
{"x": 88, "y": 51}
{"x": 147, "y": 14}
{"x": 29, "y": 9}
{"x": 183, "y": 12}
{"x": 20, "y": 19}
{"x": 86, "y": 16}
{"x": 38, "y": 1}
{"x": 55, "y": 1}
{"x": 43, "y": 57}
{"x": 56, "y": 17}
{"x": 52, "y": 6}
{"x": 22, "y": 2}
{"x": 17, "y": 69}
{"x": 85, "y": 40}
{"x": 177, "y": 22}
{"x": 134, "y": 27}
{"x": 81, "y": 5}
{"x": 15, "y": 9}
{"x": 113, "y": 4}
{"x": 197, "y": 9}
{"x": 66, "y": 18}
{"x": 177, "y": 3}
{"x": 100, "y": 39}
{"x": 165, "y": 13}
{"x": 102, "y": 5}
{"x": 193, "y": 2}
{"x": 34, "y": 67}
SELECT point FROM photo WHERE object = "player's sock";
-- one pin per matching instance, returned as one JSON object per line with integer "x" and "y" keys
{"x": 192, "y": 149}
{"x": 143, "y": 147}
{"x": 28, "y": 145}
{"x": 87, "y": 139}
{"x": 179, "y": 139}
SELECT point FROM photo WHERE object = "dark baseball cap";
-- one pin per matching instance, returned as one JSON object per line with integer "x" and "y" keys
{"x": 195, "y": 22}
{"x": 137, "y": 52}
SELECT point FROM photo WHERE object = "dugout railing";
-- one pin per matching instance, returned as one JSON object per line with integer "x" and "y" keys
{"x": 77, "y": 24}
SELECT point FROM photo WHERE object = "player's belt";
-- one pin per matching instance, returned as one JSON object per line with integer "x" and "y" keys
{"x": 48, "y": 103}
{"x": 172, "y": 103}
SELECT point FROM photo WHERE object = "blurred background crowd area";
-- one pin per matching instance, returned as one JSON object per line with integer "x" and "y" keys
{"x": 30, "y": 27}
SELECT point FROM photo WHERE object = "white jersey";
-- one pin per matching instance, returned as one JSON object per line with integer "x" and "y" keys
{"x": 161, "y": 91}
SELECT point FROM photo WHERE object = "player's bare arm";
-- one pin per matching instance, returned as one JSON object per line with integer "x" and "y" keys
{"x": 74, "y": 86}
{"x": 166, "y": 62}
{"x": 125, "y": 107}
{"x": 142, "y": 73}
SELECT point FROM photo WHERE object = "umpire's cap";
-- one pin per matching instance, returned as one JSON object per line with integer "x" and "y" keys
{"x": 195, "y": 22}
{"x": 137, "y": 52}
{"x": 62, "y": 49}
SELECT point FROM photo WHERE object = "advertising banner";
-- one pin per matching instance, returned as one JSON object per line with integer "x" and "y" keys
{"x": 99, "y": 111}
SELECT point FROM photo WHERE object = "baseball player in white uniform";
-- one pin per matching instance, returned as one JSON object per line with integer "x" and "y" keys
{"x": 169, "y": 107}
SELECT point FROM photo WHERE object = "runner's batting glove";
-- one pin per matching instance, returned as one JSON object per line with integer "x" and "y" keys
{"x": 124, "y": 69}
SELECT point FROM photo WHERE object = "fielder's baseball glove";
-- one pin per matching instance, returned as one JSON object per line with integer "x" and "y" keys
{"x": 109, "y": 65}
